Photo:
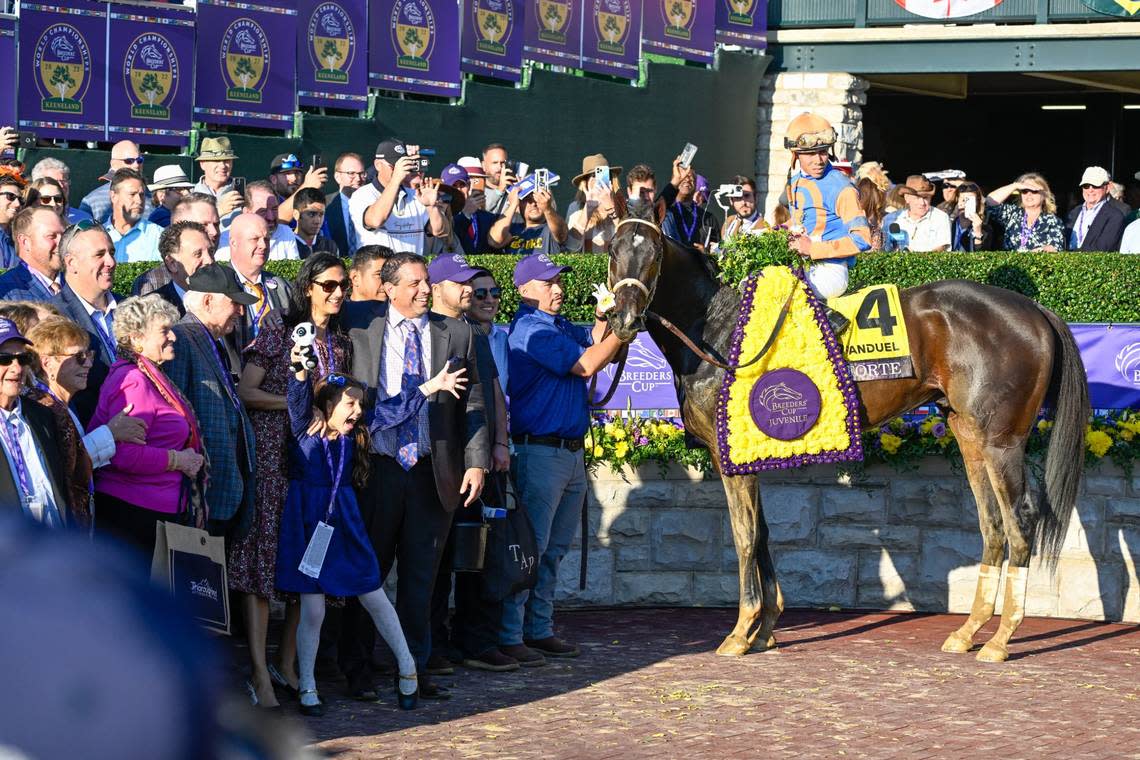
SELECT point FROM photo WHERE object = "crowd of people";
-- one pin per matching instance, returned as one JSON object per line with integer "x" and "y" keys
{"x": 191, "y": 402}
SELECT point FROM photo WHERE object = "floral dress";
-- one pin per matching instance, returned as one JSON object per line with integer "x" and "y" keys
{"x": 1019, "y": 236}
{"x": 253, "y": 558}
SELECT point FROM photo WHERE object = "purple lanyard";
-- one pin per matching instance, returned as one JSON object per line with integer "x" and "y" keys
{"x": 336, "y": 470}
{"x": 689, "y": 229}
{"x": 231, "y": 391}
{"x": 12, "y": 444}
{"x": 1026, "y": 231}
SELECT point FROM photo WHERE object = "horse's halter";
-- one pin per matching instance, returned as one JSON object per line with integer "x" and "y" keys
{"x": 633, "y": 281}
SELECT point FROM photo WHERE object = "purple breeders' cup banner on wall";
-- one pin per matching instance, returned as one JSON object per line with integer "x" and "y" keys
{"x": 742, "y": 22}
{"x": 246, "y": 64}
{"x": 63, "y": 65}
{"x": 785, "y": 404}
{"x": 680, "y": 28}
{"x": 413, "y": 46}
{"x": 493, "y": 38}
{"x": 332, "y": 54}
{"x": 150, "y": 82}
{"x": 611, "y": 37}
{"x": 554, "y": 32}
{"x": 8, "y": 63}
{"x": 1111, "y": 354}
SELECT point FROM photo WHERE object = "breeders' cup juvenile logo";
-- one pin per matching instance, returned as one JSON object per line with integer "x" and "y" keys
{"x": 332, "y": 43}
{"x": 494, "y": 20}
{"x": 553, "y": 19}
{"x": 679, "y": 17}
{"x": 63, "y": 63}
{"x": 413, "y": 32}
{"x": 1128, "y": 363}
{"x": 612, "y": 18}
{"x": 245, "y": 60}
{"x": 740, "y": 11}
{"x": 785, "y": 404}
{"x": 150, "y": 70}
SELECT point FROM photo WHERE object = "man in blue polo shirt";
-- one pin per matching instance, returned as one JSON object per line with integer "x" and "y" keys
{"x": 135, "y": 238}
{"x": 550, "y": 360}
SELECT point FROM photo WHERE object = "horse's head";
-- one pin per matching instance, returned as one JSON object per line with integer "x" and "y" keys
{"x": 636, "y": 251}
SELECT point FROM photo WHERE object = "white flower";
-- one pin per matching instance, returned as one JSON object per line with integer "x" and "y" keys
{"x": 604, "y": 297}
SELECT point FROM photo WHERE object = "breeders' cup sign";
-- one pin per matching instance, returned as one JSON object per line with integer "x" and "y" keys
{"x": 329, "y": 41}
{"x": 784, "y": 404}
{"x": 492, "y": 39}
{"x": 682, "y": 28}
{"x": 553, "y": 32}
{"x": 413, "y": 46}
{"x": 742, "y": 22}
{"x": 646, "y": 382}
{"x": 611, "y": 42}
{"x": 245, "y": 60}
{"x": 8, "y": 63}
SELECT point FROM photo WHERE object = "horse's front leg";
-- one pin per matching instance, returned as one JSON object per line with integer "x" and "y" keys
{"x": 743, "y": 506}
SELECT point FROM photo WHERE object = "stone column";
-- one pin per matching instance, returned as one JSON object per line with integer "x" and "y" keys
{"x": 837, "y": 97}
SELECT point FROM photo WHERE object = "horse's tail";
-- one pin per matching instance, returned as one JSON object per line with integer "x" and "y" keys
{"x": 1064, "y": 462}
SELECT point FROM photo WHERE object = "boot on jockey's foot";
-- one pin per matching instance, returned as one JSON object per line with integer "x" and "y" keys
{"x": 839, "y": 323}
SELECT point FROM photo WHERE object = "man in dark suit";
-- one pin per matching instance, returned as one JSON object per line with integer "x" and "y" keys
{"x": 36, "y": 231}
{"x": 86, "y": 299}
{"x": 1097, "y": 224}
{"x": 194, "y": 207}
{"x": 32, "y": 475}
{"x": 350, "y": 174}
{"x": 424, "y": 466}
{"x": 214, "y": 303}
{"x": 249, "y": 250}
{"x": 185, "y": 248}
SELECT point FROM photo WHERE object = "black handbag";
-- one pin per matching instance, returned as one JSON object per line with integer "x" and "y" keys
{"x": 510, "y": 563}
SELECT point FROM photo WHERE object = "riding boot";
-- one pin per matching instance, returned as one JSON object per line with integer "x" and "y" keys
{"x": 839, "y": 323}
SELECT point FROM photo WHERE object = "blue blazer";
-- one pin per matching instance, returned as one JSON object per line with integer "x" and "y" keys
{"x": 334, "y": 224}
{"x": 83, "y": 403}
{"x": 19, "y": 284}
{"x": 226, "y": 427}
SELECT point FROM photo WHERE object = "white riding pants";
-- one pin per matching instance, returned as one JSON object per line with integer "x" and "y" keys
{"x": 828, "y": 279}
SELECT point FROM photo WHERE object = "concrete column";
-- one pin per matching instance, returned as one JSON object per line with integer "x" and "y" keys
{"x": 838, "y": 97}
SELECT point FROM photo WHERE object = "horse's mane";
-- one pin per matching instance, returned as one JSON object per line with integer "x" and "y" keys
{"x": 648, "y": 211}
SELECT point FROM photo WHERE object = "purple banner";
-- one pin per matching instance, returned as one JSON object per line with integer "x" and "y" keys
{"x": 413, "y": 46}
{"x": 63, "y": 83}
{"x": 1111, "y": 354}
{"x": 332, "y": 57}
{"x": 742, "y": 22}
{"x": 150, "y": 74}
{"x": 493, "y": 39}
{"x": 8, "y": 63}
{"x": 680, "y": 28}
{"x": 611, "y": 37}
{"x": 554, "y": 32}
{"x": 246, "y": 66}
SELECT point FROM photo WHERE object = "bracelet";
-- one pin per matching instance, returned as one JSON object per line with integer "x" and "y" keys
{"x": 500, "y": 443}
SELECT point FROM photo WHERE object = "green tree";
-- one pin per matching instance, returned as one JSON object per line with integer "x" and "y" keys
{"x": 151, "y": 88}
{"x": 330, "y": 54}
{"x": 61, "y": 80}
{"x": 412, "y": 40}
{"x": 244, "y": 72}
{"x": 491, "y": 23}
{"x": 678, "y": 13}
{"x": 612, "y": 27}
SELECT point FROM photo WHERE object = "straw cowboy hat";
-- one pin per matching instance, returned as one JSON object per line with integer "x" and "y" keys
{"x": 216, "y": 149}
{"x": 589, "y": 163}
{"x": 168, "y": 177}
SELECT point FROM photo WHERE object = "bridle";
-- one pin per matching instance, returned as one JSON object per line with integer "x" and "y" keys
{"x": 633, "y": 281}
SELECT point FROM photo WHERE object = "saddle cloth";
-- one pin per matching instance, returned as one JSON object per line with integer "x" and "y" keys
{"x": 875, "y": 343}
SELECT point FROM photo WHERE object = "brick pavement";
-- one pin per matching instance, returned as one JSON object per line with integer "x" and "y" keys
{"x": 841, "y": 685}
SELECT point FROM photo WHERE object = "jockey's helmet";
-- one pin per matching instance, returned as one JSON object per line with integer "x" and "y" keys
{"x": 808, "y": 132}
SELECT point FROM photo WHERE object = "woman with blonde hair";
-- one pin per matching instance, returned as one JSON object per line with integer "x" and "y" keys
{"x": 1031, "y": 224}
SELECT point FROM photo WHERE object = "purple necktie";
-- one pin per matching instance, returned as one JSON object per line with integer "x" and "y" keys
{"x": 408, "y": 433}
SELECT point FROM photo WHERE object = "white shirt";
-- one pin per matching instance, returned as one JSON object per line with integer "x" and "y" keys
{"x": 42, "y": 495}
{"x": 1131, "y": 241}
{"x": 1084, "y": 221}
{"x": 395, "y": 333}
{"x": 57, "y": 282}
{"x": 100, "y": 442}
{"x": 282, "y": 244}
{"x": 403, "y": 230}
{"x": 103, "y": 320}
{"x": 929, "y": 233}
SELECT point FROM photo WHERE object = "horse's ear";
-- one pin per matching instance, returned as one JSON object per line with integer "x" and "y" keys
{"x": 659, "y": 211}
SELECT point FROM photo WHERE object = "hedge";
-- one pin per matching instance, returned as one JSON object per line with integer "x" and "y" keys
{"x": 1079, "y": 287}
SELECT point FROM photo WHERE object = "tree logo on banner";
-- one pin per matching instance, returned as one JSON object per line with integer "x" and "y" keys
{"x": 494, "y": 20}
{"x": 554, "y": 18}
{"x": 245, "y": 60}
{"x": 741, "y": 11}
{"x": 947, "y": 8}
{"x": 1126, "y": 8}
{"x": 413, "y": 31}
{"x": 150, "y": 70}
{"x": 679, "y": 17}
{"x": 612, "y": 18}
{"x": 63, "y": 62}
{"x": 332, "y": 43}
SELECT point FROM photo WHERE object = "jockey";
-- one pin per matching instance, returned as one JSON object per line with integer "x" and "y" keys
{"x": 827, "y": 225}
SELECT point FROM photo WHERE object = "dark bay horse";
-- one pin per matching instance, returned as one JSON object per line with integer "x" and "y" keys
{"x": 988, "y": 356}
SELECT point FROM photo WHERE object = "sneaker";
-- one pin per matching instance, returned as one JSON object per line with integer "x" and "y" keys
{"x": 553, "y": 646}
{"x": 438, "y": 665}
{"x": 523, "y": 655}
{"x": 494, "y": 660}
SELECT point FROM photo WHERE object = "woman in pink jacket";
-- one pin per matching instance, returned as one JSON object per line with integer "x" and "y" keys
{"x": 162, "y": 479}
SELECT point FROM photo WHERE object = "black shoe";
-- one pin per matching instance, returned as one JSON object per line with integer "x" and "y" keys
{"x": 430, "y": 690}
{"x": 281, "y": 682}
{"x": 839, "y": 323}
{"x": 312, "y": 711}
{"x": 438, "y": 665}
{"x": 407, "y": 701}
{"x": 362, "y": 690}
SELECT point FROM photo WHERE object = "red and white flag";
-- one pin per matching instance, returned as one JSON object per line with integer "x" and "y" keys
{"x": 947, "y": 8}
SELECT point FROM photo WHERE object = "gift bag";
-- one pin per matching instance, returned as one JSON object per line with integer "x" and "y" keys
{"x": 191, "y": 564}
{"x": 510, "y": 563}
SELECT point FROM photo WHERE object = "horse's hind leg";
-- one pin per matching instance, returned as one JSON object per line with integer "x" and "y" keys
{"x": 772, "y": 602}
{"x": 993, "y": 537}
{"x": 1006, "y": 468}
{"x": 743, "y": 509}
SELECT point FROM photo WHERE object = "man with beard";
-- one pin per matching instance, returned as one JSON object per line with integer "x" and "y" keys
{"x": 97, "y": 203}
{"x": 36, "y": 278}
{"x": 747, "y": 218}
{"x": 135, "y": 238}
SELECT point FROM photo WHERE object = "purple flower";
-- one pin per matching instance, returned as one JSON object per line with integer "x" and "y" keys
{"x": 642, "y": 440}
{"x": 938, "y": 429}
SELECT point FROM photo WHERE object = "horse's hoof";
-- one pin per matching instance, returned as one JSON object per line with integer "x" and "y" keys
{"x": 992, "y": 652}
{"x": 733, "y": 646}
{"x": 956, "y": 643}
{"x": 764, "y": 645}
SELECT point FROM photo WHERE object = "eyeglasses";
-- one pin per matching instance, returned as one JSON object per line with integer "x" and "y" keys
{"x": 51, "y": 200}
{"x": 24, "y": 358}
{"x": 12, "y": 197}
{"x": 482, "y": 293}
{"x": 351, "y": 174}
{"x": 331, "y": 285}
{"x": 1088, "y": 186}
{"x": 132, "y": 161}
{"x": 81, "y": 356}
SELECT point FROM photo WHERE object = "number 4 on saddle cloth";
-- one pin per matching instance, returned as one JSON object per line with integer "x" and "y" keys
{"x": 796, "y": 405}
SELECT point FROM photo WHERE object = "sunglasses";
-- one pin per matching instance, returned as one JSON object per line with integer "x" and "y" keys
{"x": 482, "y": 293}
{"x": 83, "y": 225}
{"x": 132, "y": 161}
{"x": 12, "y": 197}
{"x": 82, "y": 356}
{"x": 331, "y": 285}
{"x": 1029, "y": 191}
{"x": 24, "y": 358}
{"x": 1088, "y": 186}
{"x": 51, "y": 200}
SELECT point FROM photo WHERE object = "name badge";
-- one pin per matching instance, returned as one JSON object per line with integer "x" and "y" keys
{"x": 315, "y": 552}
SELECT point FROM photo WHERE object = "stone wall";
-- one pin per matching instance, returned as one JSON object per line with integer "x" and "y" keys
{"x": 898, "y": 541}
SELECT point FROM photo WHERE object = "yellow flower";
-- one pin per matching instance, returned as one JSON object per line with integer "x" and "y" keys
{"x": 897, "y": 424}
{"x": 1043, "y": 425}
{"x": 621, "y": 450}
{"x": 925, "y": 427}
{"x": 599, "y": 452}
{"x": 1126, "y": 434}
{"x": 1098, "y": 442}
{"x": 890, "y": 442}
{"x": 1132, "y": 426}
{"x": 618, "y": 434}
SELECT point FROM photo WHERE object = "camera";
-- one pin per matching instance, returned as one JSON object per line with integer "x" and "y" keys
{"x": 731, "y": 191}
{"x": 304, "y": 335}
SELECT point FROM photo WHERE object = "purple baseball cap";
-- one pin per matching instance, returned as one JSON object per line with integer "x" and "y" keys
{"x": 702, "y": 185}
{"x": 454, "y": 267}
{"x": 9, "y": 331}
{"x": 453, "y": 173}
{"x": 537, "y": 266}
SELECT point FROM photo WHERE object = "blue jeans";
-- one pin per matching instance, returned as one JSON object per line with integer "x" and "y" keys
{"x": 552, "y": 485}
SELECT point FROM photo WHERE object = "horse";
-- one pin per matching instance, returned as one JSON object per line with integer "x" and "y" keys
{"x": 963, "y": 336}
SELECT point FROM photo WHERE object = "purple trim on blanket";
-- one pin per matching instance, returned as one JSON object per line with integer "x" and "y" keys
{"x": 854, "y": 452}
